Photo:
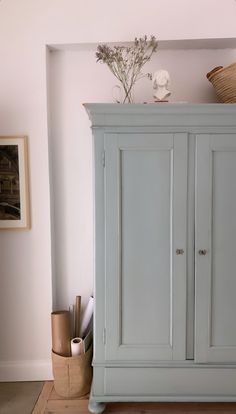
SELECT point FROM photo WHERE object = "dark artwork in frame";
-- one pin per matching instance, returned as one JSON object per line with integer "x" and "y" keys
{"x": 14, "y": 189}
{"x": 10, "y": 208}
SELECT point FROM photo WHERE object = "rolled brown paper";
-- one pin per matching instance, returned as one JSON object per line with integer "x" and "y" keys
{"x": 77, "y": 315}
{"x": 60, "y": 323}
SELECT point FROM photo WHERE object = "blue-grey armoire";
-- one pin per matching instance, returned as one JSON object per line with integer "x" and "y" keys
{"x": 165, "y": 252}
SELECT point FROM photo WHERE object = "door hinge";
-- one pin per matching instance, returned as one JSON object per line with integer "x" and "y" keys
{"x": 104, "y": 336}
{"x": 103, "y": 159}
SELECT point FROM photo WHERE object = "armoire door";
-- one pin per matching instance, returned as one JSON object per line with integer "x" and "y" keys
{"x": 145, "y": 246}
{"x": 215, "y": 339}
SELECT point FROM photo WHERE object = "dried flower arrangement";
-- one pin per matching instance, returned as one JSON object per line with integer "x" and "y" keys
{"x": 126, "y": 62}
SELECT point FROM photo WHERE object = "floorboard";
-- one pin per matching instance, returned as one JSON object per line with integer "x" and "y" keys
{"x": 51, "y": 403}
{"x": 19, "y": 397}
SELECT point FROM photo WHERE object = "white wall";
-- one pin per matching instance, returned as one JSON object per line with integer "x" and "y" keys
{"x": 75, "y": 77}
{"x": 26, "y": 26}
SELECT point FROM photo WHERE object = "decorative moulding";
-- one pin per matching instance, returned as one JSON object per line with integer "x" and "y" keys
{"x": 166, "y": 114}
{"x": 172, "y": 44}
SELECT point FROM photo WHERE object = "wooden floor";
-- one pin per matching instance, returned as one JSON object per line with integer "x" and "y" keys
{"x": 50, "y": 403}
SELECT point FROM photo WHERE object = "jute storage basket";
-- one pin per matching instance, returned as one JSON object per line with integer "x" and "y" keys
{"x": 224, "y": 82}
{"x": 72, "y": 375}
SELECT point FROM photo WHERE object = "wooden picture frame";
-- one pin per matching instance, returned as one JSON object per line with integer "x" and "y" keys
{"x": 14, "y": 183}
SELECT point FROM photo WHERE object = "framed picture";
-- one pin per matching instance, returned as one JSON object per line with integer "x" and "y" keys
{"x": 14, "y": 186}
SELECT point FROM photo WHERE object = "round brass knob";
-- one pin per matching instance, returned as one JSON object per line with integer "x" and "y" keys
{"x": 202, "y": 252}
{"x": 179, "y": 251}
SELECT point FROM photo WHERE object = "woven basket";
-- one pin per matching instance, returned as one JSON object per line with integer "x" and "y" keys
{"x": 72, "y": 375}
{"x": 224, "y": 82}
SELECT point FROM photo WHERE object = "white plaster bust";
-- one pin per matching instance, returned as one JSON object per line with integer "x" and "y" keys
{"x": 160, "y": 82}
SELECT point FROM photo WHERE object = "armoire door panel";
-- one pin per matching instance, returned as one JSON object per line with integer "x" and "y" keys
{"x": 216, "y": 233}
{"x": 145, "y": 246}
{"x": 145, "y": 280}
{"x": 223, "y": 249}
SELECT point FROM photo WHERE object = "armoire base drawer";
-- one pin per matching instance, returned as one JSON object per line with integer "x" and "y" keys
{"x": 170, "y": 382}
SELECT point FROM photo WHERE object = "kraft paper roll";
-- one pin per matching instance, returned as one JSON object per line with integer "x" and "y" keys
{"x": 77, "y": 346}
{"x": 77, "y": 315}
{"x": 87, "y": 316}
{"x": 72, "y": 321}
{"x": 60, "y": 323}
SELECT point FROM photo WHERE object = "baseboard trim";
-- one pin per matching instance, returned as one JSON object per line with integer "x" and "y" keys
{"x": 28, "y": 370}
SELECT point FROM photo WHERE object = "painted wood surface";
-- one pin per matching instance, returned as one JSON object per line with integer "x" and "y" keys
{"x": 216, "y": 233}
{"x": 127, "y": 141}
{"x": 171, "y": 384}
{"x": 146, "y": 189}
